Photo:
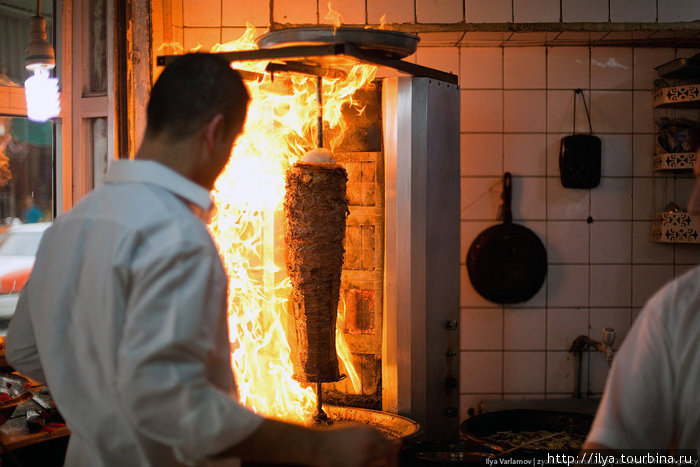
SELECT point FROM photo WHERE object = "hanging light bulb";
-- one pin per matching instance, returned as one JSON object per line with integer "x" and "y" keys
{"x": 41, "y": 91}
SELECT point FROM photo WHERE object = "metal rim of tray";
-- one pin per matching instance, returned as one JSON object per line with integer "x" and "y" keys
{"x": 393, "y": 44}
{"x": 392, "y": 425}
{"x": 18, "y": 388}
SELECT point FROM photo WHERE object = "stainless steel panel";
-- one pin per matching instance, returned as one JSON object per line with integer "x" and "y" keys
{"x": 421, "y": 359}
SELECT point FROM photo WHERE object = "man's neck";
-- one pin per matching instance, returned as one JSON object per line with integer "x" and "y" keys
{"x": 171, "y": 155}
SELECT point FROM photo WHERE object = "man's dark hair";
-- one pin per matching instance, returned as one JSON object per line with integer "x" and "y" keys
{"x": 191, "y": 90}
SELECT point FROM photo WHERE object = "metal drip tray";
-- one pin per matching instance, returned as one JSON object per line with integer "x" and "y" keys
{"x": 321, "y": 52}
{"x": 393, "y": 44}
{"x": 391, "y": 425}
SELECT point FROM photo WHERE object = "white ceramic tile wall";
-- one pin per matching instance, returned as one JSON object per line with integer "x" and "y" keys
{"x": 612, "y": 199}
{"x": 489, "y": 11}
{"x": 645, "y": 60}
{"x": 610, "y": 285}
{"x": 611, "y": 242}
{"x": 201, "y": 38}
{"x": 611, "y": 111}
{"x": 642, "y": 11}
{"x": 602, "y": 264}
{"x": 516, "y": 60}
{"x": 485, "y": 150}
{"x": 524, "y": 329}
{"x": 440, "y": 58}
{"x": 529, "y": 198}
{"x": 439, "y": 11}
{"x": 561, "y": 376}
{"x": 564, "y": 325}
{"x": 234, "y": 34}
{"x": 611, "y": 68}
{"x": 241, "y": 12}
{"x": 481, "y": 68}
{"x": 516, "y": 105}
{"x": 536, "y": 11}
{"x": 678, "y": 10}
{"x": 481, "y": 111}
{"x": 524, "y": 154}
{"x": 618, "y": 158}
{"x": 591, "y": 11}
{"x": 568, "y": 68}
{"x": 351, "y": 12}
{"x": 685, "y": 255}
{"x": 482, "y": 329}
{"x": 568, "y": 242}
{"x": 394, "y": 11}
{"x": 295, "y": 11}
{"x": 524, "y": 111}
{"x": 201, "y": 13}
{"x": 523, "y": 372}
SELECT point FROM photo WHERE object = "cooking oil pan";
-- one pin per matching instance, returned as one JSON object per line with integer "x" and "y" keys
{"x": 480, "y": 427}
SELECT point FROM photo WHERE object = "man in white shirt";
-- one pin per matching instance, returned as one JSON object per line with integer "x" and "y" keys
{"x": 124, "y": 315}
{"x": 651, "y": 399}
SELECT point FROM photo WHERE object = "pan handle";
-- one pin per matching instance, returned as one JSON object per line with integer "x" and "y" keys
{"x": 507, "y": 192}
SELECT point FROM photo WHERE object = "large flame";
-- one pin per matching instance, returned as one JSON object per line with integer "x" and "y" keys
{"x": 281, "y": 126}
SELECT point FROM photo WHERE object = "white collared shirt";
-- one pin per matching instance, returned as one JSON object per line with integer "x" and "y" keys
{"x": 651, "y": 396}
{"x": 124, "y": 318}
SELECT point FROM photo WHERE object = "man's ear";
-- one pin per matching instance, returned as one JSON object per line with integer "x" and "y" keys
{"x": 214, "y": 130}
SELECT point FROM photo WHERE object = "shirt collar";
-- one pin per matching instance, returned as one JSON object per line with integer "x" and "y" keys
{"x": 154, "y": 173}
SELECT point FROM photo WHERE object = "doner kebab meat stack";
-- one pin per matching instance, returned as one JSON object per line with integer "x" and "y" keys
{"x": 315, "y": 207}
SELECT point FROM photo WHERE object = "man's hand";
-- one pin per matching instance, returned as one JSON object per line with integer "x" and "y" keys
{"x": 277, "y": 442}
{"x": 357, "y": 446}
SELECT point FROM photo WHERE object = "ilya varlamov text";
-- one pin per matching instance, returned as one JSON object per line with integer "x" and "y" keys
{"x": 602, "y": 459}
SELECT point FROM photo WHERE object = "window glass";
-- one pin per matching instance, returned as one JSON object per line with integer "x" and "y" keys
{"x": 100, "y": 151}
{"x": 97, "y": 55}
{"x": 14, "y": 37}
{"x": 19, "y": 243}
{"x": 26, "y": 203}
{"x": 26, "y": 171}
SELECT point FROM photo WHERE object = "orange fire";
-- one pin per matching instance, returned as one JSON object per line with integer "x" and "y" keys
{"x": 280, "y": 128}
{"x": 333, "y": 15}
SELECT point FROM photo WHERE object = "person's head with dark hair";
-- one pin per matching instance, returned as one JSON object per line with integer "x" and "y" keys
{"x": 196, "y": 109}
{"x": 190, "y": 91}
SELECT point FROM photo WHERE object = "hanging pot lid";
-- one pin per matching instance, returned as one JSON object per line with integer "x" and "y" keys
{"x": 393, "y": 44}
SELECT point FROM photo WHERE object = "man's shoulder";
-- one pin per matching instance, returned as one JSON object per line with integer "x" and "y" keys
{"x": 684, "y": 287}
{"x": 139, "y": 211}
{"x": 674, "y": 306}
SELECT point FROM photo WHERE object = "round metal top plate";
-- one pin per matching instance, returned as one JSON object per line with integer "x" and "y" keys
{"x": 393, "y": 44}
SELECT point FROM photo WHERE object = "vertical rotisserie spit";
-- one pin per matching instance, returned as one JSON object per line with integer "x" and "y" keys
{"x": 315, "y": 208}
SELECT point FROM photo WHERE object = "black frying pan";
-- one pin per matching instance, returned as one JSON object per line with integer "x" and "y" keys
{"x": 507, "y": 263}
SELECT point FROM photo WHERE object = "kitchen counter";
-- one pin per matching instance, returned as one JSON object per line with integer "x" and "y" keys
{"x": 20, "y": 447}
{"x": 15, "y": 434}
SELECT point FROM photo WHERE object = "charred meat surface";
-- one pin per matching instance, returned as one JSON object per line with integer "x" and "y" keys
{"x": 315, "y": 207}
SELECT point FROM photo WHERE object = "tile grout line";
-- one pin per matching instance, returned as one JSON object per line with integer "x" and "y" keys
{"x": 588, "y": 306}
{"x": 631, "y": 224}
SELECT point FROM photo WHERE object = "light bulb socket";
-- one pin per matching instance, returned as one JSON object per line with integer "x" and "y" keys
{"x": 39, "y": 53}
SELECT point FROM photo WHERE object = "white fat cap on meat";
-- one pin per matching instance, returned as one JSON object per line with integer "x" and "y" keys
{"x": 319, "y": 155}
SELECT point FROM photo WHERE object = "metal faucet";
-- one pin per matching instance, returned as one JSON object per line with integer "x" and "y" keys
{"x": 582, "y": 343}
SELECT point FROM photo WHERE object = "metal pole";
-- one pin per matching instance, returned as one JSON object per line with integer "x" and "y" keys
{"x": 320, "y": 416}
{"x": 319, "y": 99}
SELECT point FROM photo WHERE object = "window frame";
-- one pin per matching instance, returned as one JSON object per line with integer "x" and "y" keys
{"x": 72, "y": 147}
